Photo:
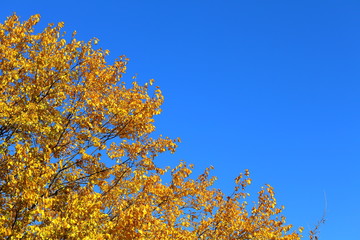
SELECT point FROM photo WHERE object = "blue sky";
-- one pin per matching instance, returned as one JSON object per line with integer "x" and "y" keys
{"x": 270, "y": 86}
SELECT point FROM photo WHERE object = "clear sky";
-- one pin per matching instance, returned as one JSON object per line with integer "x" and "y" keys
{"x": 272, "y": 86}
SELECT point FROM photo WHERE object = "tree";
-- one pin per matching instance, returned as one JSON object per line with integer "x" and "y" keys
{"x": 63, "y": 111}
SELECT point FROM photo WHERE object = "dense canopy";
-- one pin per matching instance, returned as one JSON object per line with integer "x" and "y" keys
{"x": 78, "y": 149}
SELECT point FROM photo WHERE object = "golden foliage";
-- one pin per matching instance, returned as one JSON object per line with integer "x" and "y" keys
{"x": 63, "y": 110}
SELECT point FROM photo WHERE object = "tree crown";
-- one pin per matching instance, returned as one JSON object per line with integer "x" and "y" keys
{"x": 63, "y": 111}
